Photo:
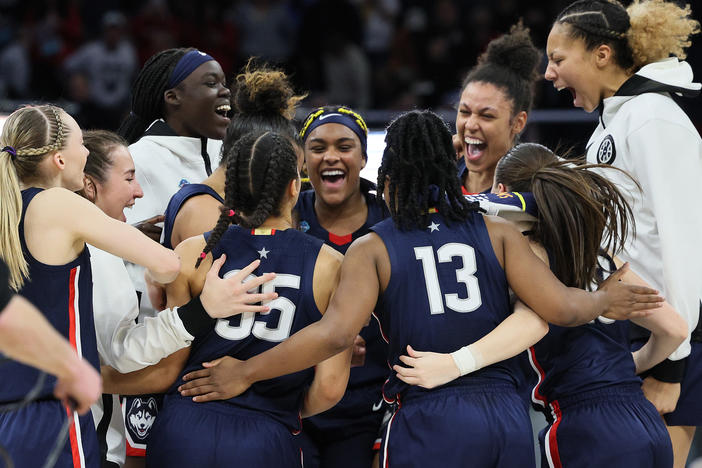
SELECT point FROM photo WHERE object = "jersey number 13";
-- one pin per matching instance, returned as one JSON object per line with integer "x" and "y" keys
{"x": 465, "y": 275}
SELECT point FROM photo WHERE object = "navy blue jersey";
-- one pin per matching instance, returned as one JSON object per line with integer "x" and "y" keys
{"x": 176, "y": 202}
{"x": 375, "y": 368}
{"x": 366, "y": 381}
{"x": 462, "y": 170}
{"x": 292, "y": 256}
{"x": 570, "y": 360}
{"x": 64, "y": 294}
{"x": 573, "y": 360}
{"x": 446, "y": 289}
{"x": 5, "y": 291}
{"x": 377, "y": 211}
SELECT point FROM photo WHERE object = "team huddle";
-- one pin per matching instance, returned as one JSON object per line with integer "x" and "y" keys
{"x": 262, "y": 305}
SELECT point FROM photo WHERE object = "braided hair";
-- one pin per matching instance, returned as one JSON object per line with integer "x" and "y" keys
{"x": 147, "y": 93}
{"x": 646, "y": 31}
{"x": 419, "y": 154}
{"x": 578, "y": 208}
{"x": 29, "y": 135}
{"x": 598, "y": 22}
{"x": 260, "y": 168}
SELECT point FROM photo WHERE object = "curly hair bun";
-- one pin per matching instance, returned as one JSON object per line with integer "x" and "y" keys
{"x": 264, "y": 90}
{"x": 514, "y": 51}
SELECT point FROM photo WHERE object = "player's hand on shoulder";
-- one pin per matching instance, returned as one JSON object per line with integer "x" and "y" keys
{"x": 426, "y": 369}
{"x": 220, "y": 379}
{"x": 625, "y": 301}
{"x": 235, "y": 294}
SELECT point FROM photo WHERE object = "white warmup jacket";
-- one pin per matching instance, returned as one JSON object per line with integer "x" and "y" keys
{"x": 644, "y": 132}
{"x": 165, "y": 162}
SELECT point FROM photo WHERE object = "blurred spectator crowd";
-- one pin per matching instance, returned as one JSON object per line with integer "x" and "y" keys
{"x": 368, "y": 54}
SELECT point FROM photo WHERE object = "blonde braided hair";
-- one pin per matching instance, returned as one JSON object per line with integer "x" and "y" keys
{"x": 34, "y": 132}
{"x": 58, "y": 140}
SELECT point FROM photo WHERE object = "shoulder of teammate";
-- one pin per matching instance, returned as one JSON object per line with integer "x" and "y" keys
{"x": 198, "y": 214}
{"x": 327, "y": 269}
{"x": 189, "y": 277}
{"x": 501, "y": 232}
{"x": 189, "y": 251}
{"x": 369, "y": 249}
{"x": 59, "y": 207}
{"x": 196, "y": 204}
{"x": 55, "y": 202}
{"x": 365, "y": 256}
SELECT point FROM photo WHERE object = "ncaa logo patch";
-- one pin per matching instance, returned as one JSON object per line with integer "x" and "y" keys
{"x": 606, "y": 152}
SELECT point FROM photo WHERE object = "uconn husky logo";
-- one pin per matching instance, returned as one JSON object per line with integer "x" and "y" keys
{"x": 606, "y": 152}
{"x": 141, "y": 416}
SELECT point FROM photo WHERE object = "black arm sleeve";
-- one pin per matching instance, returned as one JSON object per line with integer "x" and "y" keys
{"x": 5, "y": 291}
{"x": 195, "y": 318}
{"x": 669, "y": 371}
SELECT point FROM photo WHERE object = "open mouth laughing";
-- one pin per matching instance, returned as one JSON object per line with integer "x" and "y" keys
{"x": 223, "y": 111}
{"x": 474, "y": 148}
{"x": 333, "y": 177}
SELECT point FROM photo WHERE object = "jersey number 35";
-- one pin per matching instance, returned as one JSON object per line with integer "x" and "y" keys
{"x": 249, "y": 325}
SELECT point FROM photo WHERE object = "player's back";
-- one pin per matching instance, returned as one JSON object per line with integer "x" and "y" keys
{"x": 446, "y": 289}
{"x": 571, "y": 360}
{"x": 292, "y": 255}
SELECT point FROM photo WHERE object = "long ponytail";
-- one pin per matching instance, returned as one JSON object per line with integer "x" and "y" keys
{"x": 28, "y": 136}
{"x": 579, "y": 209}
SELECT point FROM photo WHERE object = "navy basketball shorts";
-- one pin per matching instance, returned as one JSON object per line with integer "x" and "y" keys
{"x": 613, "y": 426}
{"x": 30, "y": 434}
{"x": 475, "y": 425}
{"x": 218, "y": 434}
{"x": 350, "y": 427}
{"x": 688, "y": 412}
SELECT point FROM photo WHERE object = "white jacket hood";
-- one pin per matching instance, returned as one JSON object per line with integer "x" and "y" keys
{"x": 671, "y": 71}
{"x": 670, "y": 75}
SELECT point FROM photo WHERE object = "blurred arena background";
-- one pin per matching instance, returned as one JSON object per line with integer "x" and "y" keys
{"x": 380, "y": 57}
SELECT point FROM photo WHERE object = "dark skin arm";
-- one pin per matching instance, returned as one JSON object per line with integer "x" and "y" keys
{"x": 152, "y": 379}
{"x": 149, "y": 227}
{"x": 348, "y": 312}
{"x": 365, "y": 273}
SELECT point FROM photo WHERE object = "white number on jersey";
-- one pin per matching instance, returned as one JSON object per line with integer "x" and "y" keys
{"x": 464, "y": 275}
{"x": 249, "y": 325}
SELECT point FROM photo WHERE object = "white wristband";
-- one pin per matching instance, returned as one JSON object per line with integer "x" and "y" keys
{"x": 465, "y": 360}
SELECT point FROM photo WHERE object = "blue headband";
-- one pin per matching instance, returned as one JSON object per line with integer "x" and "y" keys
{"x": 186, "y": 65}
{"x": 343, "y": 116}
